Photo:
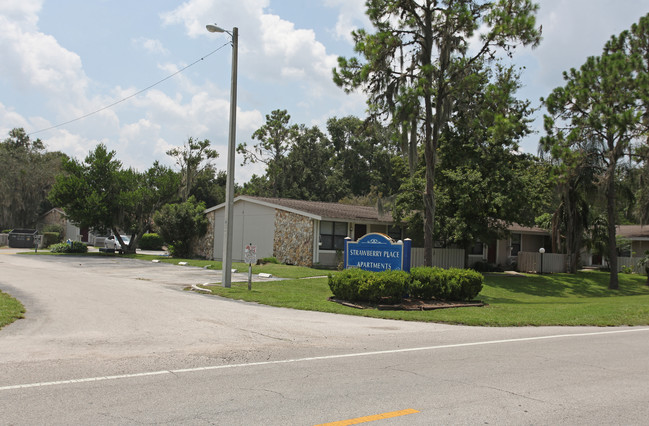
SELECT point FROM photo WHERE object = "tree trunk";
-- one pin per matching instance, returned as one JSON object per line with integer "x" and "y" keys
{"x": 613, "y": 283}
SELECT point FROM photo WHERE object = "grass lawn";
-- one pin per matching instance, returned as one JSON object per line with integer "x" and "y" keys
{"x": 537, "y": 300}
{"x": 558, "y": 299}
{"x": 10, "y": 309}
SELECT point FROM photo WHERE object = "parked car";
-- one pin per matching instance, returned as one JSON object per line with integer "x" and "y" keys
{"x": 111, "y": 243}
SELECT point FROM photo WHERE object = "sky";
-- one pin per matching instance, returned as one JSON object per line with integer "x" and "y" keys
{"x": 65, "y": 59}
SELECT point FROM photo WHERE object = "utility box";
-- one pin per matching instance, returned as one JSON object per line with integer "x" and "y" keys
{"x": 22, "y": 238}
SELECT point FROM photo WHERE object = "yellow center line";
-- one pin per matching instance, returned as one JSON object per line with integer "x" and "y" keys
{"x": 375, "y": 417}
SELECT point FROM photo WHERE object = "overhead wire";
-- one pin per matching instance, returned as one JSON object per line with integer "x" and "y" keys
{"x": 130, "y": 96}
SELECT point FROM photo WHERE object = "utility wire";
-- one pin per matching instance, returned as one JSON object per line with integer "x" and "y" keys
{"x": 130, "y": 96}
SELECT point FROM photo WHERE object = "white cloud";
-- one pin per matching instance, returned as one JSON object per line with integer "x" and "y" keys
{"x": 351, "y": 16}
{"x": 151, "y": 45}
{"x": 22, "y": 12}
{"x": 35, "y": 61}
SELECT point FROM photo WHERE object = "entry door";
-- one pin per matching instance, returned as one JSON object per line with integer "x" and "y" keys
{"x": 359, "y": 230}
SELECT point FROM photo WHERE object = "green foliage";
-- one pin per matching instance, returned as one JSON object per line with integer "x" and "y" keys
{"x": 28, "y": 172}
{"x": 357, "y": 285}
{"x": 598, "y": 116}
{"x": 151, "y": 242}
{"x": 99, "y": 194}
{"x": 179, "y": 224}
{"x": 194, "y": 159}
{"x": 74, "y": 247}
{"x": 626, "y": 269}
{"x": 270, "y": 260}
{"x": 418, "y": 65}
{"x": 445, "y": 284}
{"x": 52, "y": 234}
{"x": 50, "y": 238}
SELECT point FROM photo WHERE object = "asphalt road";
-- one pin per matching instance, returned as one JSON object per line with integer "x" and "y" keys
{"x": 118, "y": 341}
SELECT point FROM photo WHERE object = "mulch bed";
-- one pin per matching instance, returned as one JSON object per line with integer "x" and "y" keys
{"x": 412, "y": 305}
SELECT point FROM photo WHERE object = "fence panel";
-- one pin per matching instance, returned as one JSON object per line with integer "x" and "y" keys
{"x": 531, "y": 262}
{"x": 443, "y": 258}
{"x": 631, "y": 262}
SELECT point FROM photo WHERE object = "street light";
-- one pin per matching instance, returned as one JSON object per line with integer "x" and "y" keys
{"x": 542, "y": 251}
{"x": 229, "y": 186}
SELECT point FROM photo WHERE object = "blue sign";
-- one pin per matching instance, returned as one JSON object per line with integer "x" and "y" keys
{"x": 377, "y": 252}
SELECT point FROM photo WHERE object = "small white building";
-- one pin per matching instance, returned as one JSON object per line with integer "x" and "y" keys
{"x": 295, "y": 232}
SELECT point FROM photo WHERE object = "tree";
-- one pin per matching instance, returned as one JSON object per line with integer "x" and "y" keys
{"x": 180, "y": 223}
{"x": 307, "y": 167}
{"x": 276, "y": 138}
{"x": 419, "y": 57}
{"x": 28, "y": 172}
{"x": 193, "y": 158}
{"x": 602, "y": 104}
{"x": 364, "y": 157}
{"x": 483, "y": 183}
{"x": 97, "y": 193}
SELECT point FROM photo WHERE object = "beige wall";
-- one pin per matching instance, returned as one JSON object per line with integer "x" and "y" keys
{"x": 252, "y": 224}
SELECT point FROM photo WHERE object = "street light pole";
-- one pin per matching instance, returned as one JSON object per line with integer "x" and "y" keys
{"x": 229, "y": 186}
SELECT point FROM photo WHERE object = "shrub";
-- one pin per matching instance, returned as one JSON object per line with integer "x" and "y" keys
{"x": 464, "y": 284}
{"x": 484, "y": 266}
{"x": 357, "y": 285}
{"x": 269, "y": 260}
{"x": 445, "y": 284}
{"x": 390, "y": 286}
{"x": 151, "y": 242}
{"x": 179, "y": 224}
{"x": 627, "y": 269}
{"x": 74, "y": 247}
{"x": 50, "y": 238}
{"x": 345, "y": 284}
{"x": 427, "y": 283}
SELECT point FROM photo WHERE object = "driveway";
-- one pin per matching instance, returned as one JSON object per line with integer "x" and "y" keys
{"x": 119, "y": 341}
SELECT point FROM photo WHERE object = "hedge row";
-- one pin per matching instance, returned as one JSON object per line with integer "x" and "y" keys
{"x": 356, "y": 285}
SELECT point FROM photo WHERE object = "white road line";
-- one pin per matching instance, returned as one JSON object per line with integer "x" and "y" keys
{"x": 315, "y": 358}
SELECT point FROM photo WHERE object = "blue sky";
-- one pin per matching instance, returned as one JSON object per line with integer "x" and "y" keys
{"x": 63, "y": 59}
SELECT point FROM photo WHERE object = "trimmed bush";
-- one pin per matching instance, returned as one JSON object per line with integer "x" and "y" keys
{"x": 345, "y": 284}
{"x": 151, "y": 242}
{"x": 445, "y": 284}
{"x": 75, "y": 247}
{"x": 50, "y": 238}
{"x": 356, "y": 285}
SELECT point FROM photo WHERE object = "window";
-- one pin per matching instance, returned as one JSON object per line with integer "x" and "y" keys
{"x": 394, "y": 232}
{"x": 332, "y": 235}
{"x": 515, "y": 244}
{"x": 476, "y": 249}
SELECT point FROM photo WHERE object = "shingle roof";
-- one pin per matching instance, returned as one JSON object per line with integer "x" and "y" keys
{"x": 328, "y": 210}
{"x": 632, "y": 231}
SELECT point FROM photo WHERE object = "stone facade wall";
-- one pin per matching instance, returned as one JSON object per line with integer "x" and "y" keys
{"x": 204, "y": 246}
{"x": 53, "y": 217}
{"x": 293, "y": 242}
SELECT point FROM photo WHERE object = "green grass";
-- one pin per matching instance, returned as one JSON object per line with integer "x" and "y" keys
{"x": 560, "y": 299}
{"x": 529, "y": 300}
{"x": 10, "y": 309}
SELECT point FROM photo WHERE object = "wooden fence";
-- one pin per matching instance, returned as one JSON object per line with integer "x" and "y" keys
{"x": 552, "y": 262}
{"x": 443, "y": 258}
{"x": 631, "y": 262}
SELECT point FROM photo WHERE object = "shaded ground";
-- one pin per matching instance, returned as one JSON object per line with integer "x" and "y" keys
{"x": 411, "y": 305}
